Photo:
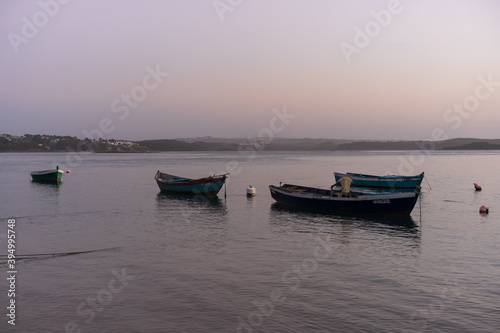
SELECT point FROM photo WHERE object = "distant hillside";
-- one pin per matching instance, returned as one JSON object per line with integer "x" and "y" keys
{"x": 274, "y": 144}
{"x": 379, "y": 145}
{"x": 54, "y": 143}
{"x": 176, "y": 145}
{"x": 463, "y": 142}
{"x": 476, "y": 146}
{"x": 419, "y": 145}
{"x": 302, "y": 144}
{"x": 224, "y": 144}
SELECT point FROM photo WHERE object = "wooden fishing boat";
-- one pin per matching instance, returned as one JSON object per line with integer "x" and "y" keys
{"x": 173, "y": 184}
{"x": 316, "y": 198}
{"x": 47, "y": 176}
{"x": 388, "y": 181}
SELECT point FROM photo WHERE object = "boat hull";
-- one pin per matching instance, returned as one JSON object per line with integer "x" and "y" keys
{"x": 47, "y": 176}
{"x": 209, "y": 186}
{"x": 301, "y": 196}
{"x": 390, "y": 181}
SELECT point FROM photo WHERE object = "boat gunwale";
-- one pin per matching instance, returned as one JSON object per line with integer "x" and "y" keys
{"x": 189, "y": 181}
{"x": 46, "y": 172}
{"x": 387, "y": 181}
{"x": 391, "y": 178}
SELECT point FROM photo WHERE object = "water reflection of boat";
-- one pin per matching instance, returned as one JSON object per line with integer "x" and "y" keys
{"x": 194, "y": 198}
{"x": 44, "y": 196}
{"x": 190, "y": 207}
{"x": 404, "y": 221}
{"x": 54, "y": 186}
{"x": 348, "y": 228}
{"x": 46, "y": 191}
{"x": 191, "y": 217}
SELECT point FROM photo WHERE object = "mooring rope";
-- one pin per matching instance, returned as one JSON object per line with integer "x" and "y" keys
{"x": 430, "y": 187}
{"x": 44, "y": 255}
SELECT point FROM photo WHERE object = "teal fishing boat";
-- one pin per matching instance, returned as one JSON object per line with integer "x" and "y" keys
{"x": 388, "y": 181}
{"x": 209, "y": 186}
{"x": 47, "y": 176}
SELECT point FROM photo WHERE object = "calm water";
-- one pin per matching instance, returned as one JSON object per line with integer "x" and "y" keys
{"x": 164, "y": 263}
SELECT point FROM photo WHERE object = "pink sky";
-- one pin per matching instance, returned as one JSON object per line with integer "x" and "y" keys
{"x": 229, "y": 65}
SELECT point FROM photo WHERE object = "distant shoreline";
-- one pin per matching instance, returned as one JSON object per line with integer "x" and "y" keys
{"x": 63, "y": 144}
{"x": 220, "y": 151}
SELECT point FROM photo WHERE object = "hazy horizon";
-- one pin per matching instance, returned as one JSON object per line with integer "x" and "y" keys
{"x": 252, "y": 139}
{"x": 138, "y": 70}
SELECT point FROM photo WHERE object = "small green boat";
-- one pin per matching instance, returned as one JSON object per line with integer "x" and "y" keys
{"x": 47, "y": 176}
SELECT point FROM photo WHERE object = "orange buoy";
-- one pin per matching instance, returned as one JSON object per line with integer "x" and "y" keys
{"x": 477, "y": 187}
{"x": 484, "y": 209}
{"x": 67, "y": 171}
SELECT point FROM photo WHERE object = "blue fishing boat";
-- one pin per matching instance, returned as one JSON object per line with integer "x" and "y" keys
{"x": 388, "y": 181}
{"x": 316, "y": 198}
{"x": 209, "y": 186}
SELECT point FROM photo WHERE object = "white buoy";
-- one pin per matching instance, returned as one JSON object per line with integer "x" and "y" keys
{"x": 250, "y": 191}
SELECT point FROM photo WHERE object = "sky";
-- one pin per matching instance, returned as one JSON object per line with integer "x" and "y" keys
{"x": 336, "y": 69}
